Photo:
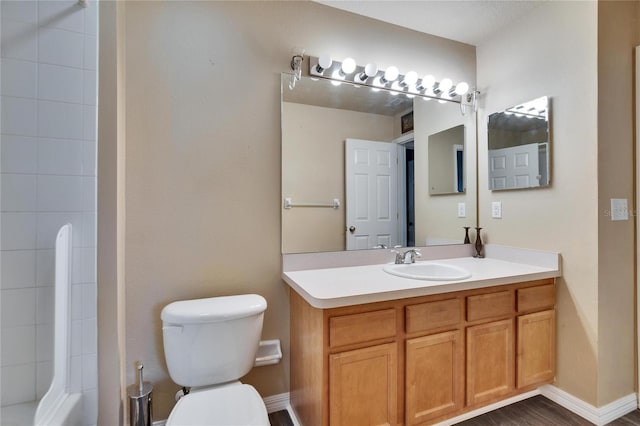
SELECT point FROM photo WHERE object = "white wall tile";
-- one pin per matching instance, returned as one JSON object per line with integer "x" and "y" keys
{"x": 45, "y": 305}
{"x": 44, "y": 375}
{"x": 76, "y": 300}
{"x": 60, "y": 47}
{"x": 18, "y": 193}
{"x": 89, "y": 159}
{"x": 45, "y": 267}
{"x": 90, "y": 52}
{"x": 44, "y": 342}
{"x": 21, "y": 379}
{"x": 89, "y": 122}
{"x": 60, "y": 193}
{"x": 60, "y": 120}
{"x": 19, "y": 78}
{"x": 91, "y": 18}
{"x": 19, "y": 10}
{"x": 18, "y": 231}
{"x": 18, "y": 345}
{"x": 17, "y": 269}
{"x": 88, "y": 238}
{"x": 76, "y": 337}
{"x": 50, "y": 223}
{"x": 90, "y": 96}
{"x": 18, "y": 307}
{"x": 19, "y": 116}
{"x": 89, "y": 372}
{"x": 75, "y": 381}
{"x": 90, "y": 407}
{"x": 19, "y": 154}
{"x": 89, "y": 336}
{"x": 62, "y": 14}
{"x": 58, "y": 83}
{"x": 84, "y": 265}
{"x": 61, "y": 156}
{"x": 89, "y": 187}
{"x": 89, "y": 299}
{"x": 19, "y": 40}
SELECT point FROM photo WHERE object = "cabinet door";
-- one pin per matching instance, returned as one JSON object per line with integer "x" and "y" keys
{"x": 536, "y": 348}
{"x": 434, "y": 376}
{"x": 363, "y": 386}
{"x": 490, "y": 361}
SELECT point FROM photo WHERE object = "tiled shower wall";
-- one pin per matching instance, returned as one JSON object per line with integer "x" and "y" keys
{"x": 48, "y": 178}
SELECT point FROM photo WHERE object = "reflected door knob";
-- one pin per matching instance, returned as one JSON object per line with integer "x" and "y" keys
{"x": 352, "y": 229}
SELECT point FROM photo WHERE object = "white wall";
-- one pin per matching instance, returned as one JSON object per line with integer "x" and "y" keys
{"x": 553, "y": 51}
{"x": 48, "y": 152}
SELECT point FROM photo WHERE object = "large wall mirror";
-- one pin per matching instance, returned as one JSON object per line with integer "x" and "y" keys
{"x": 520, "y": 146}
{"x": 352, "y": 180}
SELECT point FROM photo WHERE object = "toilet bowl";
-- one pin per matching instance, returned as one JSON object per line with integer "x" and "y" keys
{"x": 209, "y": 344}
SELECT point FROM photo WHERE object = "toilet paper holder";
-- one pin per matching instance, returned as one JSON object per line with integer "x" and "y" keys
{"x": 269, "y": 353}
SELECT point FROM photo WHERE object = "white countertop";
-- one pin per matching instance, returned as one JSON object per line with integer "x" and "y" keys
{"x": 354, "y": 285}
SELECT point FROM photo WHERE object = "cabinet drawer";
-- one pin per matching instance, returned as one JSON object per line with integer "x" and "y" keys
{"x": 433, "y": 315}
{"x": 492, "y": 305}
{"x": 359, "y": 328}
{"x": 539, "y": 297}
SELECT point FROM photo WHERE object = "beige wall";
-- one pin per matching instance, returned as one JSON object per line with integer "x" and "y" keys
{"x": 437, "y": 215}
{"x": 313, "y": 159}
{"x": 588, "y": 72}
{"x": 618, "y": 34}
{"x": 564, "y": 217}
{"x": 203, "y": 153}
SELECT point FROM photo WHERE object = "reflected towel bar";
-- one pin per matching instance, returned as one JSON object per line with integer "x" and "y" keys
{"x": 289, "y": 204}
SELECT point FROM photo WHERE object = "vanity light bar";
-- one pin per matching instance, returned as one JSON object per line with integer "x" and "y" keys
{"x": 388, "y": 79}
{"x": 532, "y": 109}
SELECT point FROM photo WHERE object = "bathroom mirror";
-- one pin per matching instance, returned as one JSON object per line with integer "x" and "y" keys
{"x": 446, "y": 161}
{"x": 327, "y": 203}
{"x": 520, "y": 146}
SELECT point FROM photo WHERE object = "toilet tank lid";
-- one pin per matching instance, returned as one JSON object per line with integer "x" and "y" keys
{"x": 213, "y": 309}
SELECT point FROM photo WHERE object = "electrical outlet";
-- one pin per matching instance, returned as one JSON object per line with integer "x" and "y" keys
{"x": 462, "y": 210}
{"x": 619, "y": 209}
{"x": 496, "y": 209}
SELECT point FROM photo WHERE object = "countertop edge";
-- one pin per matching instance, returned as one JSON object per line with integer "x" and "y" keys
{"x": 414, "y": 292}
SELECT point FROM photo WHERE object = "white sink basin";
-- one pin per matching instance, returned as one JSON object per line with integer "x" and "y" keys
{"x": 430, "y": 271}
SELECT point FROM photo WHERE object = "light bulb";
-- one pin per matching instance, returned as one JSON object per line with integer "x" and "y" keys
{"x": 391, "y": 73}
{"x": 395, "y": 88}
{"x": 410, "y": 78}
{"x": 445, "y": 85}
{"x": 324, "y": 62}
{"x": 377, "y": 83}
{"x": 461, "y": 88}
{"x": 336, "y": 75}
{"x": 427, "y": 82}
{"x": 370, "y": 70}
{"x": 348, "y": 66}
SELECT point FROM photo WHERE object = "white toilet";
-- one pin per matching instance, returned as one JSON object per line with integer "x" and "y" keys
{"x": 208, "y": 345}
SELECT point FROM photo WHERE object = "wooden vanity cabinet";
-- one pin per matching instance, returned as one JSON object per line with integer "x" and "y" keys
{"x": 420, "y": 360}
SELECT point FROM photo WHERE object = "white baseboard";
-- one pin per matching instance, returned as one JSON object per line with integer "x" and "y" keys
{"x": 486, "y": 409}
{"x": 276, "y": 402}
{"x": 596, "y": 415}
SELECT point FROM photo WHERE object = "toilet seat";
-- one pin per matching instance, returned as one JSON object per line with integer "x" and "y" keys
{"x": 236, "y": 404}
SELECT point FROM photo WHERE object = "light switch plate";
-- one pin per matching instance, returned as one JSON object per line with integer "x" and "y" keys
{"x": 462, "y": 210}
{"x": 619, "y": 209}
{"x": 496, "y": 209}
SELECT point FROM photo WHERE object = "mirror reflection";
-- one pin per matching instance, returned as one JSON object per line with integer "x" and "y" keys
{"x": 446, "y": 161}
{"x": 352, "y": 180}
{"x": 520, "y": 146}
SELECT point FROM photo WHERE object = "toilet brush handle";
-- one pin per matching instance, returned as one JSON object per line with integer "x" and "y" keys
{"x": 140, "y": 380}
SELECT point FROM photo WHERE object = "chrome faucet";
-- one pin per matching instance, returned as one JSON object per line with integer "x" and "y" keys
{"x": 411, "y": 254}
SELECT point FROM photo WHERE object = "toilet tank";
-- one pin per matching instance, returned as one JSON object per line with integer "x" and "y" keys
{"x": 214, "y": 340}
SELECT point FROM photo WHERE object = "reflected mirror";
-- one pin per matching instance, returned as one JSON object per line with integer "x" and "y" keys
{"x": 446, "y": 161}
{"x": 352, "y": 180}
{"x": 520, "y": 146}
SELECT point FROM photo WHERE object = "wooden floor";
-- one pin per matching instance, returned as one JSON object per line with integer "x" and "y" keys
{"x": 540, "y": 411}
{"x": 536, "y": 411}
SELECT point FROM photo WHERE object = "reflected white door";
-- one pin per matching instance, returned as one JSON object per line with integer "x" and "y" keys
{"x": 514, "y": 167}
{"x": 371, "y": 173}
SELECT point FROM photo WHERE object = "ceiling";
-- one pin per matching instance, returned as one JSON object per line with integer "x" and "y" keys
{"x": 470, "y": 22}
